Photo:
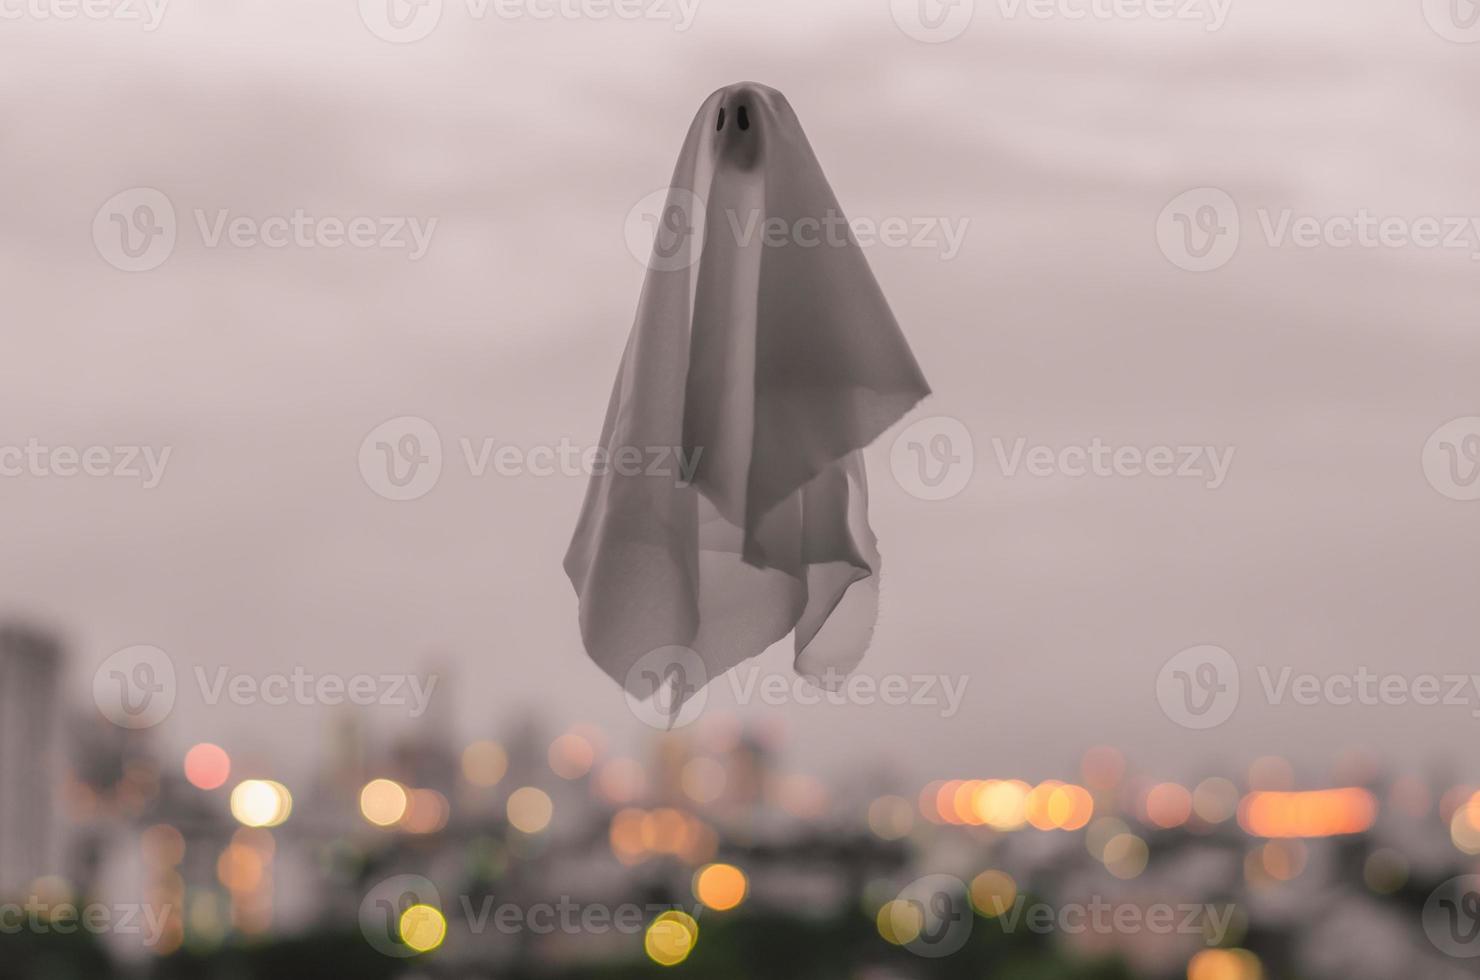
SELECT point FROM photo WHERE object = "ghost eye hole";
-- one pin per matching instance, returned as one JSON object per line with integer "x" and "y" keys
{"x": 744, "y": 118}
{"x": 721, "y": 124}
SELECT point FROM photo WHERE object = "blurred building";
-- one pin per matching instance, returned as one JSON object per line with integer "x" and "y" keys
{"x": 30, "y": 845}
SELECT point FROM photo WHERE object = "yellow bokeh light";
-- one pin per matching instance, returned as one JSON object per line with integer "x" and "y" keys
{"x": 671, "y": 938}
{"x": 484, "y": 763}
{"x": 383, "y": 802}
{"x": 900, "y": 922}
{"x": 1215, "y": 800}
{"x": 261, "y": 803}
{"x": 423, "y": 928}
{"x": 890, "y": 817}
{"x": 720, "y": 886}
{"x": 1000, "y": 803}
{"x": 1126, "y": 856}
{"x": 529, "y": 809}
{"x": 993, "y": 893}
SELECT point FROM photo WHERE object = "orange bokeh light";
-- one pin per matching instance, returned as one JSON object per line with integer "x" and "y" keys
{"x": 1318, "y": 813}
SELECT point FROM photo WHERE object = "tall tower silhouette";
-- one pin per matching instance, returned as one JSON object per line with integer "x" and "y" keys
{"x": 30, "y": 667}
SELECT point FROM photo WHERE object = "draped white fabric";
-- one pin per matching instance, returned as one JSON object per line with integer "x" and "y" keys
{"x": 765, "y": 355}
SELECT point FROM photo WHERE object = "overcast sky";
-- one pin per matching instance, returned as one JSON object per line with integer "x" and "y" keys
{"x": 1055, "y": 145}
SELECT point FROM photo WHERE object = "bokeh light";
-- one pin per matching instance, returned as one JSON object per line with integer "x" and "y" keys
{"x": 207, "y": 766}
{"x": 529, "y": 809}
{"x": 703, "y": 779}
{"x": 1168, "y": 805}
{"x": 890, "y": 817}
{"x": 1126, "y": 856}
{"x": 427, "y": 812}
{"x": 992, "y": 893}
{"x": 720, "y": 886}
{"x": 484, "y": 763}
{"x": 1224, "y": 964}
{"x": 671, "y": 938}
{"x": 1315, "y": 813}
{"x": 571, "y": 756}
{"x": 1215, "y": 800}
{"x": 383, "y": 802}
{"x": 899, "y": 921}
{"x": 261, "y": 803}
{"x": 423, "y": 927}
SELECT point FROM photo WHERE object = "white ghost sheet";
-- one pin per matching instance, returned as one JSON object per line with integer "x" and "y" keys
{"x": 764, "y": 357}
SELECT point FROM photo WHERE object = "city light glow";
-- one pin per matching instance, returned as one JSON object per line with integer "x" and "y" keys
{"x": 720, "y": 886}
{"x": 383, "y": 802}
{"x": 423, "y": 927}
{"x": 261, "y": 803}
{"x": 1315, "y": 813}
{"x": 671, "y": 937}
